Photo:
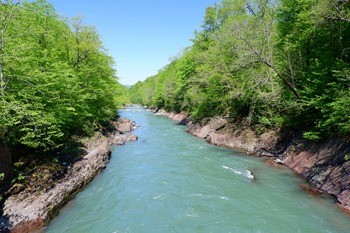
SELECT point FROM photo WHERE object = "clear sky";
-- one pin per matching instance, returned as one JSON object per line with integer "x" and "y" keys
{"x": 141, "y": 35}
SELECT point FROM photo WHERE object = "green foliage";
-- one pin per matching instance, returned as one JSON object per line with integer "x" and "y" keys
{"x": 19, "y": 179}
{"x": 347, "y": 157}
{"x": 57, "y": 80}
{"x": 268, "y": 63}
{"x": 312, "y": 136}
{"x": 312, "y": 34}
{"x": 339, "y": 113}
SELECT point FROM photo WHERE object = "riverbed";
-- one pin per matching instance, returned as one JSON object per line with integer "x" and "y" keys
{"x": 170, "y": 181}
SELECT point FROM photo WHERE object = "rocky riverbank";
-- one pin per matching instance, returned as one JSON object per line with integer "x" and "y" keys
{"x": 324, "y": 165}
{"x": 28, "y": 211}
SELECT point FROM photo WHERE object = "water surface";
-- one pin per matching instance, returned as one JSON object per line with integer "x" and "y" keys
{"x": 170, "y": 181}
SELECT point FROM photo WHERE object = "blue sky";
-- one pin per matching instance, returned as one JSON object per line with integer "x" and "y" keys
{"x": 141, "y": 35}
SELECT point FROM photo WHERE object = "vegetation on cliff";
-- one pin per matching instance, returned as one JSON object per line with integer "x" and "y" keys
{"x": 269, "y": 63}
{"x": 56, "y": 78}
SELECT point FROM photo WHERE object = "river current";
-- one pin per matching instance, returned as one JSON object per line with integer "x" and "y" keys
{"x": 169, "y": 181}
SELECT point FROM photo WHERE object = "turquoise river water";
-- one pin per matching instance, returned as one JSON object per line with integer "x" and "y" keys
{"x": 170, "y": 181}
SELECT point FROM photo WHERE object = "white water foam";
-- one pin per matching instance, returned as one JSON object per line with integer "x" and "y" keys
{"x": 245, "y": 173}
{"x": 159, "y": 196}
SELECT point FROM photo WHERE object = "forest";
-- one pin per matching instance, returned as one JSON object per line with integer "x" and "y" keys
{"x": 280, "y": 67}
{"x": 57, "y": 80}
{"x": 263, "y": 63}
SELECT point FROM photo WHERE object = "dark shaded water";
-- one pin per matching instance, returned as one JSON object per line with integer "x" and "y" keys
{"x": 170, "y": 181}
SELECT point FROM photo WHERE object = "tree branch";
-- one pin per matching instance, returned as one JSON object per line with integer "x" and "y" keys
{"x": 271, "y": 66}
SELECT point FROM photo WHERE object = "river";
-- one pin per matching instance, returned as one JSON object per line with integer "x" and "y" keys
{"x": 169, "y": 181}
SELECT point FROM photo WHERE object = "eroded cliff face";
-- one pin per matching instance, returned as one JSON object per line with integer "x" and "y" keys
{"x": 325, "y": 166}
{"x": 28, "y": 211}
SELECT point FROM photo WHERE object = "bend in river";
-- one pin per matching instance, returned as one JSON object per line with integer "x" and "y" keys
{"x": 170, "y": 181}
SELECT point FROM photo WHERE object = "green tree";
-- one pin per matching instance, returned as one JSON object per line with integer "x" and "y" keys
{"x": 57, "y": 80}
{"x": 269, "y": 63}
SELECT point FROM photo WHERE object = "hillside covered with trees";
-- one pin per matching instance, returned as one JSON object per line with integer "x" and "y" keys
{"x": 56, "y": 78}
{"x": 269, "y": 64}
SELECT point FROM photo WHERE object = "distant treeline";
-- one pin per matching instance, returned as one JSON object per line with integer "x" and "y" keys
{"x": 267, "y": 63}
{"x": 56, "y": 78}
